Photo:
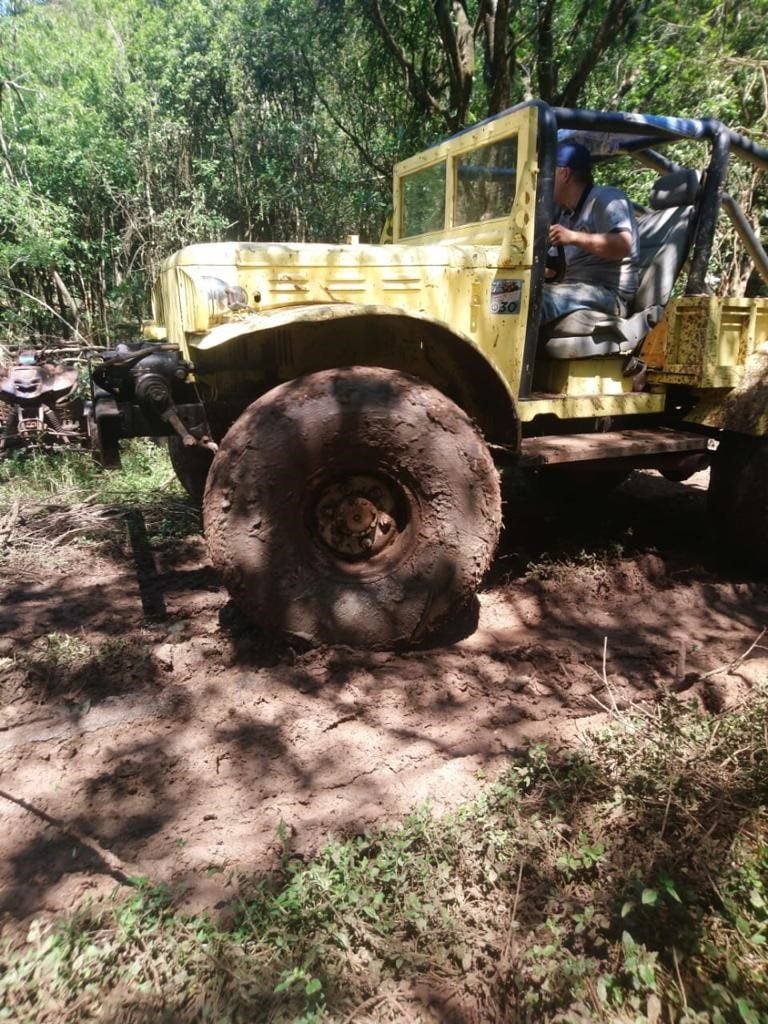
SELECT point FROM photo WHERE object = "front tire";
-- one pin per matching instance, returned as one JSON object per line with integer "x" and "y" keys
{"x": 355, "y": 506}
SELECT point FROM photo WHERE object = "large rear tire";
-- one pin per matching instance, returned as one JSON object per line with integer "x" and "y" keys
{"x": 355, "y": 506}
{"x": 738, "y": 498}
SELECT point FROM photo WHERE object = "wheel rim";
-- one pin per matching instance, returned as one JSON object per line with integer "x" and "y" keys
{"x": 356, "y": 517}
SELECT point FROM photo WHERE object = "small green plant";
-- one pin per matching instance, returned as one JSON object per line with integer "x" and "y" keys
{"x": 582, "y": 857}
{"x": 57, "y": 505}
{"x": 635, "y": 979}
{"x": 74, "y": 475}
{"x": 60, "y": 650}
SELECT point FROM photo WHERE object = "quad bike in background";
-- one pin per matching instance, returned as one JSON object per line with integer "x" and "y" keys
{"x": 38, "y": 406}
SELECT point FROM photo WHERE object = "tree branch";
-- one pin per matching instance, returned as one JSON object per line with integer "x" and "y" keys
{"x": 614, "y": 21}
{"x": 459, "y": 50}
{"x": 545, "y": 65}
{"x": 500, "y": 54}
{"x": 416, "y": 86}
{"x": 356, "y": 142}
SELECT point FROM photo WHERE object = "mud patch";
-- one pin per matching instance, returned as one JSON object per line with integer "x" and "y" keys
{"x": 183, "y": 749}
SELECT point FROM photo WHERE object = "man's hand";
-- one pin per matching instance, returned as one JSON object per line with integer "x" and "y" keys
{"x": 559, "y": 234}
{"x": 614, "y": 245}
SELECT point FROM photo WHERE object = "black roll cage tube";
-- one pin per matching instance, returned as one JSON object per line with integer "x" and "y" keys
{"x": 753, "y": 245}
{"x": 723, "y": 140}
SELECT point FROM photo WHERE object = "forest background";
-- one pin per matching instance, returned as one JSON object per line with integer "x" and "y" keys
{"x": 131, "y": 127}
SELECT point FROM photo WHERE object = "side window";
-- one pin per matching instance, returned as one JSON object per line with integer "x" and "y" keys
{"x": 486, "y": 179}
{"x": 424, "y": 201}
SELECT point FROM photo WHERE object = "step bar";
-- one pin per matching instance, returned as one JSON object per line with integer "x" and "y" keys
{"x": 637, "y": 447}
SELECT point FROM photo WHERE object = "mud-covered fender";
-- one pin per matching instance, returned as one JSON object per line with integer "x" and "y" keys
{"x": 742, "y": 409}
{"x": 277, "y": 345}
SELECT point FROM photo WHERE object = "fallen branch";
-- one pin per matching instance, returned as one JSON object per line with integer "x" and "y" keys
{"x": 737, "y": 661}
{"x": 114, "y": 866}
{"x": 50, "y": 309}
{"x": 605, "y": 676}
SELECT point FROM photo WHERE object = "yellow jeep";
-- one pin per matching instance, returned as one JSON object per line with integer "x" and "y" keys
{"x": 344, "y": 407}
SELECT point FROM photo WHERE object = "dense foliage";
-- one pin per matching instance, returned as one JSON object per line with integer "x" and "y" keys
{"x": 129, "y": 128}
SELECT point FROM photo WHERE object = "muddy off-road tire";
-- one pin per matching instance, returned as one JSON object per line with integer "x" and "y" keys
{"x": 738, "y": 499}
{"x": 356, "y": 506}
{"x": 191, "y": 466}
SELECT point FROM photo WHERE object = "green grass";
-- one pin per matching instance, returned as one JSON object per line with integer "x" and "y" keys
{"x": 146, "y": 469}
{"x": 625, "y": 882}
{"x": 43, "y": 484}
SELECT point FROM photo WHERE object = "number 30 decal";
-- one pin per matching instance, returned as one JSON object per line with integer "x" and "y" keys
{"x": 505, "y": 296}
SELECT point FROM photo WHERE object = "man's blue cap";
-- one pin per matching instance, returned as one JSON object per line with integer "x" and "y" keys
{"x": 575, "y": 156}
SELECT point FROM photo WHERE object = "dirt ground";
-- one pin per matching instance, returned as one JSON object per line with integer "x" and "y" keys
{"x": 144, "y": 730}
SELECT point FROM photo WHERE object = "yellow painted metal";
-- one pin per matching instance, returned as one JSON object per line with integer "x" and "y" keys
{"x": 742, "y": 408}
{"x": 447, "y": 276}
{"x": 582, "y": 378}
{"x": 588, "y": 406}
{"x": 449, "y": 284}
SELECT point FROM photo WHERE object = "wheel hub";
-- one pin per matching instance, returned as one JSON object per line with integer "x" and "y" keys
{"x": 355, "y": 517}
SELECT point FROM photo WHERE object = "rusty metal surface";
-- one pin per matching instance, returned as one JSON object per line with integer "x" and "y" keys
{"x": 356, "y": 516}
{"x": 609, "y": 445}
{"x": 710, "y": 339}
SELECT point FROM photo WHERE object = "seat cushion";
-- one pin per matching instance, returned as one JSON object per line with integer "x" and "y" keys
{"x": 678, "y": 188}
{"x": 579, "y": 322}
{"x": 584, "y": 346}
{"x": 586, "y": 332}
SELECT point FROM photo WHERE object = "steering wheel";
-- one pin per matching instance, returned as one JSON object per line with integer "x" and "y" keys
{"x": 556, "y": 264}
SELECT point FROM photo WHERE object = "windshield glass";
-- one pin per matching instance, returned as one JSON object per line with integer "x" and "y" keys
{"x": 424, "y": 201}
{"x": 486, "y": 179}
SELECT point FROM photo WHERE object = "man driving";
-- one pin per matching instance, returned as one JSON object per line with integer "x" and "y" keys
{"x": 597, "y": 230}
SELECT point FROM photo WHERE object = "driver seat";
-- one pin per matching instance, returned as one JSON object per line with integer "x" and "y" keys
{"x": 665, "y": 234}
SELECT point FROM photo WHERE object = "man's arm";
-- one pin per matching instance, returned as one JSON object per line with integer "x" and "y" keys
{"x": 613, "y": 245}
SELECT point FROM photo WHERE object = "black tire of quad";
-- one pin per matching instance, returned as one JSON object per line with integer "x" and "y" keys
{"x": 310, "y": 452}
{"x": 191, "y": 466}
{"x": 738, "y": 499}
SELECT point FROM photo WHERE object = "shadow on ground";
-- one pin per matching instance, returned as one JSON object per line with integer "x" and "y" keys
{"x": 179, "y": 747}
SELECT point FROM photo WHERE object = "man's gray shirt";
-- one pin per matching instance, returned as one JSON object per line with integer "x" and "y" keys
{"x": 604, "y": 210}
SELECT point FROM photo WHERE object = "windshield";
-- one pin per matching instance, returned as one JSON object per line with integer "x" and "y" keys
{"x": 484, "y": 189}
{"x": 486, "y": 179}
{"x": 424, "y": 201}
